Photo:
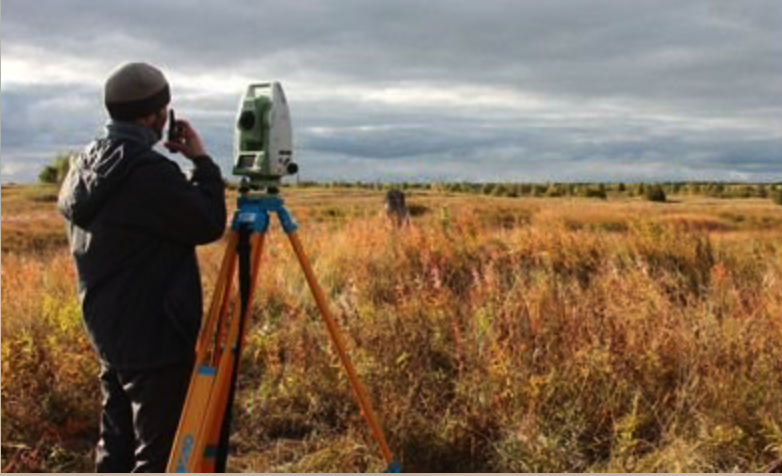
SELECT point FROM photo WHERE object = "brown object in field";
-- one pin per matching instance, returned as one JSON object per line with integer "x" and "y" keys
{"x": 396, "y": 208}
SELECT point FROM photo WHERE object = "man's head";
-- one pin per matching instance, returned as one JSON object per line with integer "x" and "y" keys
{"x": 138, "y": 92}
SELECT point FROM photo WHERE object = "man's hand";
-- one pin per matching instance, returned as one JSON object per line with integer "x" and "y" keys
{"x": 190, "y": 144}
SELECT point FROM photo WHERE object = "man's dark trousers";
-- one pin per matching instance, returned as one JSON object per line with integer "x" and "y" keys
{"x": 141, "y": 410}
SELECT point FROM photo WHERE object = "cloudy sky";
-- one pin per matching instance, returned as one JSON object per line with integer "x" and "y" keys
{"x": 526, "y": 90}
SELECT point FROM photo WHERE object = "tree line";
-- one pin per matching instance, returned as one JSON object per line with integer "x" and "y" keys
{"x": 657, "y": 192}
{"x": 55, "y": 173}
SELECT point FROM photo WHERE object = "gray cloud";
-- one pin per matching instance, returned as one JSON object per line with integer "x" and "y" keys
{"x": 565, "y": 89}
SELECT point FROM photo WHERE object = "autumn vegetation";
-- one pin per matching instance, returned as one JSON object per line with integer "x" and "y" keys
{"x": 501, "y": 331}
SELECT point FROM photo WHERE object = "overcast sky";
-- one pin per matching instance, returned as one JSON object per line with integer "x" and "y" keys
{"x": 489, "y": 90}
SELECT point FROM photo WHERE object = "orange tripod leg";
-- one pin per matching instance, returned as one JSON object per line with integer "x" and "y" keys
{"x": 183, "y": 452}
{"x": 205, "y": 405}
{"x": 339, "y": 343}
{"x": 227, "y": 360}
{"x": 220, "y": 296}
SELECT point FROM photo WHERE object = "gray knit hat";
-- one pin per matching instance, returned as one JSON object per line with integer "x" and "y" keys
{"x": 135, "y": 90}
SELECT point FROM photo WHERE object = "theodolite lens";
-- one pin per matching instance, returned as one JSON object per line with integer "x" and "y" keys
{"x": 293, "y": 168}
{"x": 247, "y": 120}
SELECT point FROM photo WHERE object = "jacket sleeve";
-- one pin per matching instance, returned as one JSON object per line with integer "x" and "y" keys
{"x": 161, "y": 199}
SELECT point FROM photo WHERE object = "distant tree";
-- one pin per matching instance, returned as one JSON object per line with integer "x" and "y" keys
{"x": 55, "y": 172}
{"x": 539, "y": 190}
{"x": 716, "y": 190}
{"x": 655, "y": 194}
{"x": 593, "y": 192}
{"x": 504, "y": 190}
{"x": 776, "y": 196}
{"x": 742, "y": 191}
{"x": 48, "y": 175}
{"x": 554, "y": 191}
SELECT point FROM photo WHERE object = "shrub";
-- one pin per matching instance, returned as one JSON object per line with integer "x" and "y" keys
{"x": 555, "y": 191}
{"x": 594, "y": 193}
{"x": 55, "y": 172}
{"x": 656, "y": 194}
{"x": 48, "y": 175}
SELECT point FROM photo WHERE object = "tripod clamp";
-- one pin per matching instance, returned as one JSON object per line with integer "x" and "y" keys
{"x": 253, "y": 212}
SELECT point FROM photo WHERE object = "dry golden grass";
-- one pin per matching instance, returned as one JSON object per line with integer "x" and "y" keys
{"x": 30, "y": 223}
{"x": 493, "y": 334}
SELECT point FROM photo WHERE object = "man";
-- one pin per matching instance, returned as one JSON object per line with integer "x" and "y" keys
{"x": 134, "y": 221}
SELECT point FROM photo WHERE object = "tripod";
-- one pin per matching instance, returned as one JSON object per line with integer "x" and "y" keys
{"x": 201, "y": 443}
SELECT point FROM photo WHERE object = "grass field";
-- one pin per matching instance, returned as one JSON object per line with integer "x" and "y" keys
{"x": 494, "y": 334}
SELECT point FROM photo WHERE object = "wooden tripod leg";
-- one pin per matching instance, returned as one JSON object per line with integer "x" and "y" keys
{"x": 234, "y": 342}
{"x": 339, "y": 343}
{"x": 192, "y": 421}
{"x": 204, "y": 410}
{"x": 220, "y": 296}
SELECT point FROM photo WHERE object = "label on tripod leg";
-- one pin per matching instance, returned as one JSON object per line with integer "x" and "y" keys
{"x": 187, "y": 452}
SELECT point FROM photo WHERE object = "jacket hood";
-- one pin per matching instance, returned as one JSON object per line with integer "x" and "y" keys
{"x": 97, "y": 172}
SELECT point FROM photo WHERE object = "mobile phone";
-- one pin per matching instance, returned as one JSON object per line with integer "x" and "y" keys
{"x": 174, "y": 128}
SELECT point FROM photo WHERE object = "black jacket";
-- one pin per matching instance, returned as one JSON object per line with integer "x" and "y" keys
{"x": 134, "y": 221}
